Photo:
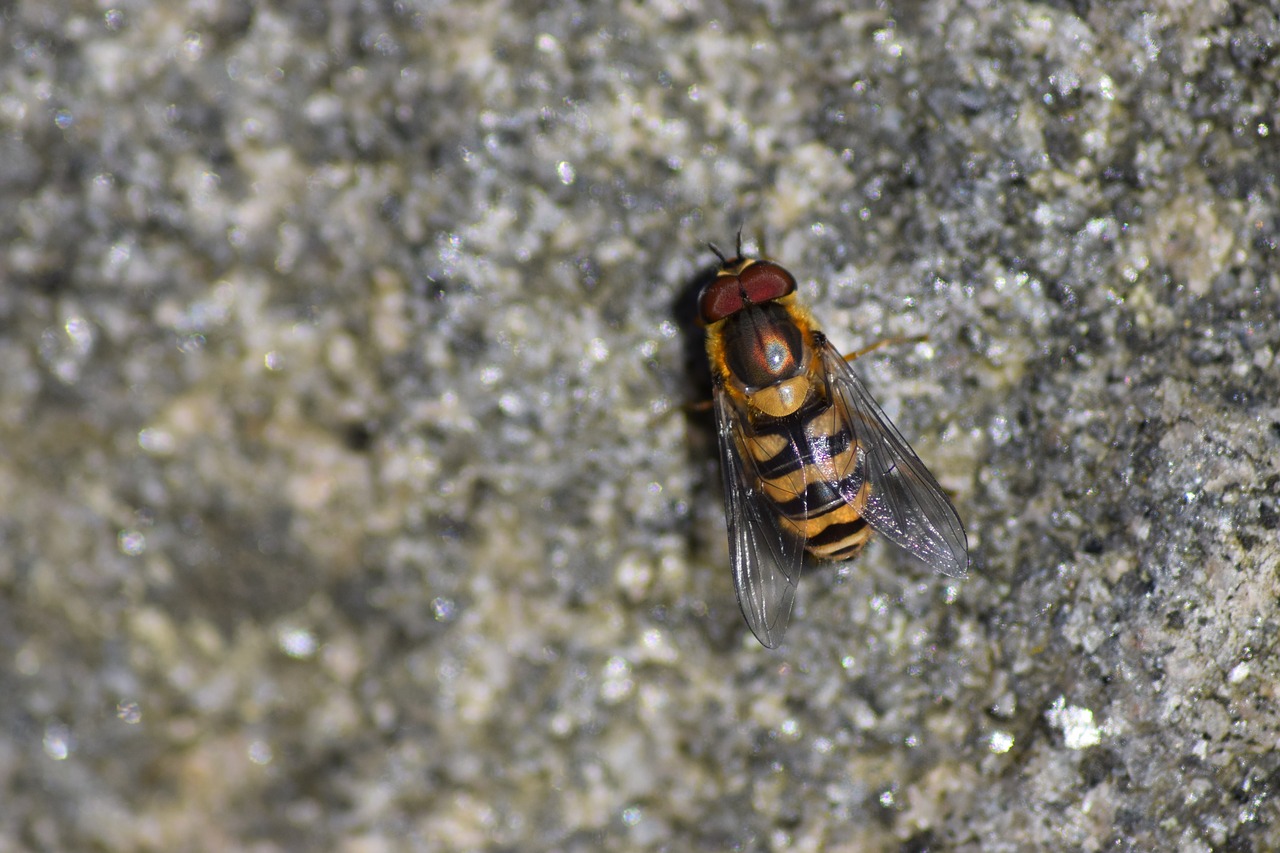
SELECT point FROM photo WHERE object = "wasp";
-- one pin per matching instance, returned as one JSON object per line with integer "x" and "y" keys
{"x": 810, "y": 461}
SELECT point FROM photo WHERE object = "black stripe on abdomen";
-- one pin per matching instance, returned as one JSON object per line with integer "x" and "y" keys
{"x": 819, "y": 498}
{"x": 837, "y": 532}
{"x": 787, "y": 460}
{"x": 841, "y": 539}
{"x": 846, "y": 553}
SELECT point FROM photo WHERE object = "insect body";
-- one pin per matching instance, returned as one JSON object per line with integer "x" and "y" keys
{"x": 810, "y": 462}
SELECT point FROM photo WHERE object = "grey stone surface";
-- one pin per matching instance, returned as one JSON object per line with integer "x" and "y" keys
{"x": 348, "y": 500}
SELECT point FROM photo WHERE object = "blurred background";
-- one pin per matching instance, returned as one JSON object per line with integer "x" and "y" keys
{"x": 351, "y": 493}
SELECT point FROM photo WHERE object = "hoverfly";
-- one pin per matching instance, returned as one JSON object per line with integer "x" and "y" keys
{"x": 810, "y": 462}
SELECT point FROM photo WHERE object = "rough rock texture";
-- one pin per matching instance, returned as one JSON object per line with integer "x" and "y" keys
{"x": 349, "y": 499}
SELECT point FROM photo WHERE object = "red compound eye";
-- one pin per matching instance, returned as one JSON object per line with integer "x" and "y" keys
{"x": 760, "y": 282}
{"x": 720, "y": 298}
{"x": 764, "y": 281}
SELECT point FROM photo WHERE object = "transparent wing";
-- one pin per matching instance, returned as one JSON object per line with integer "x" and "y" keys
{"x": 766, "y": 559}
{"x": 904, "y": 503}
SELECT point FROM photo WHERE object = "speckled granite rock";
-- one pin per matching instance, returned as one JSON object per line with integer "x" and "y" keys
{"x": 348, "y": 501}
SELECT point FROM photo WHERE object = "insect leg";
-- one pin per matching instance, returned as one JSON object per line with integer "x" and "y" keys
{"x": 913, "y": 339}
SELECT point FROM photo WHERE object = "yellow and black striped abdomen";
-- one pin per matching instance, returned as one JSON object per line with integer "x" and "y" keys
{"x": 806, "y": 501}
